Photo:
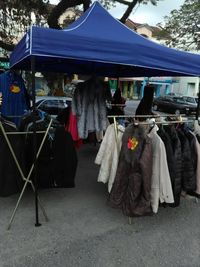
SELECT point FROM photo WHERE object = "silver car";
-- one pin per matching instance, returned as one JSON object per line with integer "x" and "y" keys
{"x": 52, "y": 105}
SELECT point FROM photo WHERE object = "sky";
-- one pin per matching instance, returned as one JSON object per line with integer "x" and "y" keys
{"x": 146, "y": 13}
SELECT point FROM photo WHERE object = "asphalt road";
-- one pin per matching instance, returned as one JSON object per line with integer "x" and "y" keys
{"x": 131, "y": 106}
{"x": 84, "y": 231}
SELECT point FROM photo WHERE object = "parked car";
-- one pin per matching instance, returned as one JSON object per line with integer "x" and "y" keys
{"x": 52, "y": 104}
{"x": 173, "y": 105}
{"x": 191, "y": 100}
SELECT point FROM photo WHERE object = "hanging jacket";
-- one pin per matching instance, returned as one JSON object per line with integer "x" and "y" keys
{"x": 89, "y": 105}
{"x": 161, "y": 188}
{"x": 44, "y": 161}
{"x": 15, "y": 100}
{"x": 64, "y": 159}
{"x": 108, "y": 155}
{"x": 177, "y": 159}
{"x": 197, "y": 133}
{"x": 132, "y": 185}
{"x": 169, "y": 152}
{"x": 188, "y": 173}
{"x": 193, "y": 159}
{"x": 198, "y": 168}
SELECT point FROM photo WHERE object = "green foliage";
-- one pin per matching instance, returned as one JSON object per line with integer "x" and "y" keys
{"x": 183, "y": 26}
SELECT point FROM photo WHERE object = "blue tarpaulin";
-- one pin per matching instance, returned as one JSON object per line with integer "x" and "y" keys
{"x": 100, "y": 44}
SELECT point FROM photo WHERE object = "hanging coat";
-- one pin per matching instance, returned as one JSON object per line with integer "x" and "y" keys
{"x": 132, "y": 185}
{"x": 15, "y": 99}
{"x": 177, "y": 159}
{"x": 89, "y": 105}
{"x": 193, "y": 159}
{"x": 161, "y": 188}
{"x": 64, "y": 159}
{"x": 188, "y": 172}
{"x": 108, "y": 155}
{"x": 169, "y": 152}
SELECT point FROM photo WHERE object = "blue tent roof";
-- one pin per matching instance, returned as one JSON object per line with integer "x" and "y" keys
{"x": 98, "y": 43}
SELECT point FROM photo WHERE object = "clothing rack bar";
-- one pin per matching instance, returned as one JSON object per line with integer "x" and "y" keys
{"x": 160, "y": 122}
{"x": 144, "y": 116}
{"x": 117, "y": 105}
{"x": 13, "y": 133}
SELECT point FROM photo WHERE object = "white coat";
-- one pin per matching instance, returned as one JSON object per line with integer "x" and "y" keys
{"x": 161, "y": 188}
{"x": 108, "y": 155}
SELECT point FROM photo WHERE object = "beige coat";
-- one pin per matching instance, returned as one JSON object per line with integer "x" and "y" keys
{"x": 161, "y": 188}
{"x": 108, "y": 155}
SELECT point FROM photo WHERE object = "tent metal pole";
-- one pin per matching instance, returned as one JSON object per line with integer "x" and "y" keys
{"x": 37, "y": 224}
{"x": 198, "y": 105}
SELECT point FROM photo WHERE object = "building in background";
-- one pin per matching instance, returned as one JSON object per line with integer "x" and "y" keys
{"x": 163, "y": 85}
{"x": 189, "y": 86}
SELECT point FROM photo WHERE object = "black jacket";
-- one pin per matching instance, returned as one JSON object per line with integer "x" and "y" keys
{"x": 64, "y": 159}
{"x": 169, "y": 152}
{"x": 188, "y": 172}
{"x": 193, "y": 159}
{"x": 177, "y": 169}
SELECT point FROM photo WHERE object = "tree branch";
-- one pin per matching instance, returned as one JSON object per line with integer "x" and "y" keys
{"x": 7, "y": 46}
{"x": 123, "y": 2}
{"x": 128, "y": 11}
{"x": 59, "y": 9}
{"x": 86, "y": 4}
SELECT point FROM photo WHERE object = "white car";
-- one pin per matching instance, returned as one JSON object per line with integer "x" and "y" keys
{"x": 52, "y": 104}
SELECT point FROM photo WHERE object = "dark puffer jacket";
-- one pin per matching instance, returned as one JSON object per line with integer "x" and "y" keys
{"x": 177, "y": 159}
{"x": 169, "y": 151}
{"x": 193, "y": 159}
{"x": 188, "y": 173}
{"x": 132, "y": 185}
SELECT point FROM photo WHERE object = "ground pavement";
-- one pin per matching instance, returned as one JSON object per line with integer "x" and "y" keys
{"x": 84, "y": 231}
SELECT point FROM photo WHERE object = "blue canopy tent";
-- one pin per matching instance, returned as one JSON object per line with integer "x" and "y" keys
{"x": 98, "y": 44}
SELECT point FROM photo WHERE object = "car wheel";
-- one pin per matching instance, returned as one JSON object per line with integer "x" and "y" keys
{"x": 177, "y": 112}
{"x": 155, "y": 107}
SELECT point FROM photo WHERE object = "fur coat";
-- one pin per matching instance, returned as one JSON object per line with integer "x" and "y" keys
{"x": 89, "y": 105}
{"x": 132, "y": 185}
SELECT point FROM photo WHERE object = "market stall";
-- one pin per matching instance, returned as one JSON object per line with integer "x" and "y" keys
{"x": 98, "y": 44}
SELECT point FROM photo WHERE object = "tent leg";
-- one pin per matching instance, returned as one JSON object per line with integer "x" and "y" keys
{"x": 37, "y": 223}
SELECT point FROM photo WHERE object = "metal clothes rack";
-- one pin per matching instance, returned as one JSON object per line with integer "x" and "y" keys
{"x": 24, "y": 178}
